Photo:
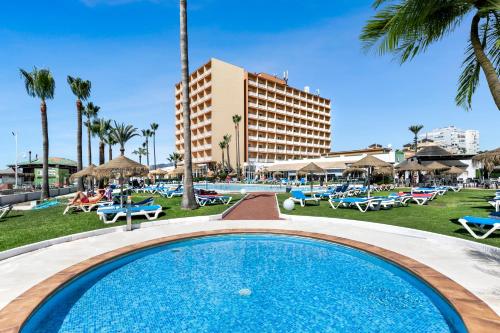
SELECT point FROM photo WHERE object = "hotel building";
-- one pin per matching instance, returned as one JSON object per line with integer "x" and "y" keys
{"x": 279, "y": 122}
{"x": 454, "y": 140}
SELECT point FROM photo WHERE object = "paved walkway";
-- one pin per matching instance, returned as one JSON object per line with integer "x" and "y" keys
{"x": 256, "y": 206}
{"x": 473, "y": 265}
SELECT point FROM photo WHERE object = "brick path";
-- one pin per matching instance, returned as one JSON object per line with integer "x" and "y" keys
{"x": 256, "y": 206}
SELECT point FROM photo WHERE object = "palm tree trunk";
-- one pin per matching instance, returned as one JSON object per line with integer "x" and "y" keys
{"x": 188, "y": 200}
{"x": 237, "y": 127}
{"x": 147, "y": 151}
{"x": 154, "y": 149}
{"x": 140, "y": 159}
{"x": 228, "y": 159}
{"x": 110, "y": 152}
{"x": 45, "y": 157}
{"x": 79, "y": 160}
{"x": 222, "y": 150}
{"x": 102, "y": 147}
{"x": 89, "y": 147}
{"x": 415, "y": 142}
{"x": 122, "y": 150}
{"x": 484, "y": 62}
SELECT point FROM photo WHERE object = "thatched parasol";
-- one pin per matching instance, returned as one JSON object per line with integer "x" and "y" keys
{"x": 158, "y": 172}
{"x": 385, "y": 171}
{"x": 88, "y": 171}
{"x": 311, "y": 168}
{"x": 411, "y": 166}
{"x": 454, "y": 171}
{"x": 436, "y": 166}
{"x": 121, "y": 167}
{"x": 351, "y": 170}
{"x": 277, "y": 174}
{"x": 489, "y": 159}
{"x": 369, "y": 162}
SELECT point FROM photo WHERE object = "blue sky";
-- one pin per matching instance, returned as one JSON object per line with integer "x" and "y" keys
{"x": 129, "y": 50}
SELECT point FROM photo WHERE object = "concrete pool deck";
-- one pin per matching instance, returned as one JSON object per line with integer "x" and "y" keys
{"x": 472, "y": 265}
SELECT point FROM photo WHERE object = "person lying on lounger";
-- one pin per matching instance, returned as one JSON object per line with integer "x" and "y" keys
{"x": 81, "y": 198}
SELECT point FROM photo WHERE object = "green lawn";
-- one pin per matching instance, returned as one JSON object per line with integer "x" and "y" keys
{"x": 25, "y": 227}
{"x": 439, "y": 216}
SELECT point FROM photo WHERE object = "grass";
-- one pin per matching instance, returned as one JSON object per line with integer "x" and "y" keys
{"x": 25, "y": 227}
{"x": 439, "y": 216}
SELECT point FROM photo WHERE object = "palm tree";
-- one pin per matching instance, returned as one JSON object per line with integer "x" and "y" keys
{"x": 40, "y": 83}
{"x": 154, "y": 128}
{"x": 408, "y": 27}
{"x": 81, "y": 89}
{"x": 222, "y": 146}
{"x": 236, "y": 121}
{"x": 175, "y": 158}
{"x": 227, "y": 140}
{"x": 139, "y": 152}
{"x": 100, "y": 128}
{"x": 146, "y": 133}
{"x": 110, "y": 141}
{"x": 121, "y": 133}
{"x": 415, "y": 129}
{"x": 90, "y": 112}
{"x": 188, "y": 200}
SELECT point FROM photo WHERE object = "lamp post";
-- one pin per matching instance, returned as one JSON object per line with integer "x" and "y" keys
{"x": 15, "y": 136}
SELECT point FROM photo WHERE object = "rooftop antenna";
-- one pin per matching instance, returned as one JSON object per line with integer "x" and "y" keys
{"x": 285, "y": 76}
{"x": 317, "y": 92}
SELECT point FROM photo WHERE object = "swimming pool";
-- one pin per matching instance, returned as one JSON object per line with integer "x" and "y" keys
{"x": 237, "y": 187}
{"x": 246, "y": 283}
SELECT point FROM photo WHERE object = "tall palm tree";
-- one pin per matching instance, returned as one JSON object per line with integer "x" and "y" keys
{"x": 40, "y": 83}
{"x": 236, "y": 121}
{"x": 222, "y": 146}
{"x": 90, "y": 112}
{"x": 100, "y": 128}
{"x": 121, "y": 133}
{"x": 227, "y": 140}
{"x": 415, "y": 129}
{"x": 110, "y": 141}
{"x": 408, "y": 27}
{"x": 188, "y": 200}
{"x": 81, "y": 89}
{"x": 147, "y": 133}
{"x": 174, "y": 158}
{"x": 154, "y": 128}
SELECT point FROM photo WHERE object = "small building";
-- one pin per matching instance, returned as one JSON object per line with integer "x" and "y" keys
{"x": 60, "y": 169}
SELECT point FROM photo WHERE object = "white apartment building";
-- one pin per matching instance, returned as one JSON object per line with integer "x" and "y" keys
{"x": 454, "y": 140}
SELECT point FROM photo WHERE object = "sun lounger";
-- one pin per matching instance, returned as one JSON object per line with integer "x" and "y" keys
{"x": 46, "y": 204}
{"x": 112, "y": 214}
{"x": 493, "y": 222}
{"x": 176, "y": 192}
{"x": 300, "y": 197}
{"x": 84, "y": 206}
{"x": 5, "y": 210}
{"x": 429, "y": 190}
{"x": 203, "y": 200}
{"x": 496, "y": 204}
{"x": 363, "y": 204}
{"x": 109, "y": 204}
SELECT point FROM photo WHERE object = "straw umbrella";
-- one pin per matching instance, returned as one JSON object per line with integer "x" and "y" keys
{"x": 87, "y": 172}
{"x": 369, "y": 162}
{"x": 351, "y": 170}
{"x": 454, "y": 171}
{"x": 434, "y": 167}
{"x": 489, "y": 159}
{"x": 121, "y": 167}
{"x": 311, "y": 168}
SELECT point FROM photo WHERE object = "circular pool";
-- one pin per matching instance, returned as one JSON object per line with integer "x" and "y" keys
{"x": 246, "y": 283}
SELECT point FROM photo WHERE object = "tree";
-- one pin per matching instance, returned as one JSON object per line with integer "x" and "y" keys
{"x": 154, "y": 128}
{"x": 90, "y": 112}
{"x": 174, "y": 158}
{"x": 222, "y": 146}
{"x": 409, "y": 27}
{"x": 101, "y": 128}
{"x": 140, "y": 152}
{"x": 40, "y": 83}
{"x": 415, "y": 129}
{"x": 146, "y": 133}
{"x": 110, "y": 141}
{"x": 81, "y": 89}
{"x": 122, "y": 133}
{"x": 188, "y": 199}
{"x": 227, "y": 140}
{"x": 236, "y": 121}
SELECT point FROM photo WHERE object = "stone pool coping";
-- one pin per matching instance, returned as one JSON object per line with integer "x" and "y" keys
{"x": 477, "y": 316}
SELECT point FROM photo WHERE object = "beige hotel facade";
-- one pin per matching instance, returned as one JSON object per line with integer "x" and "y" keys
{"x": 279, "y": 122}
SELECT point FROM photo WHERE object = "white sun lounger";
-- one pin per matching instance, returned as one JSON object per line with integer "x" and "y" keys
{"x": 5, "y": 210}
{"x": 150, "y": 212}
{"x": 362, "y": 204}
{"x": 481, "y": 222}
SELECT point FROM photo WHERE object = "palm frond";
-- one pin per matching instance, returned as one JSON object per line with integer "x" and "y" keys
{"x": 80, "y": 88}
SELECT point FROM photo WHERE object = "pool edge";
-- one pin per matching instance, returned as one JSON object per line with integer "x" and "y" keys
{"x": 476, "y": 315}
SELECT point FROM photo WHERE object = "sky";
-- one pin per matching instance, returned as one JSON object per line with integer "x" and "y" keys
{"x": 129, "y": 50}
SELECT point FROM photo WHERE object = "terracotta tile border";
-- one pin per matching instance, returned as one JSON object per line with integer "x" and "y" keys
{"x": 477, "y": 316}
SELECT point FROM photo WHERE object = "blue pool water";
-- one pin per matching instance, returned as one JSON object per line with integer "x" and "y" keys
{"x": 246, "y": 283}
{"x": 237, "y": 187}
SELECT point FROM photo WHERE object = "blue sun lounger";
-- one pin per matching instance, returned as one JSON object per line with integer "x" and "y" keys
{"x": 112, "y": 214}
{"x": 481, "y": 222}
{"x": 300, "y": 197}
{"x": 176, "y": 192}
{"x": 46, "y": 204}
{"x": 5, "y": 210}
{"x": 363, "y": 204}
